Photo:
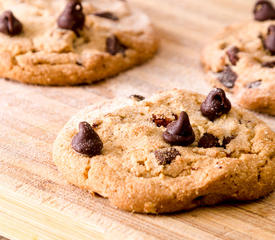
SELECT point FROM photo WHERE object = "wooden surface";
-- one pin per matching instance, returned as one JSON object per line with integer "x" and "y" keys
{"x": 36, "y": 203}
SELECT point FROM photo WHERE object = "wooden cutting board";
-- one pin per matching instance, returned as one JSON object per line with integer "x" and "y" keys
{"x": 36, "y": 203}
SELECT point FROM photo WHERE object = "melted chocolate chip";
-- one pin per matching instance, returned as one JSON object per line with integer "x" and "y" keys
{"x": 227, "y": 140}
{"x": 227, "y": 77}
{"x": 208, "y": 140}
{"x": 232, "y": 54}
{"x": 254, "y": 84}
{"x": 107, "y": 15}
{"x": 72, "y": 17}
{"x": 87, "y": 141}
{"x": 9, "y": 24}
{"x": 166, "y": 156}
{"x": 215, "y": 104}
{"x": 114, "y": 46}
{"x": 160, "y": 120}
{"x": 264, "y": 10}
{"x": 268, "y": 64}
{"x": 79, "y": 63}
{"x": 179, "y": 132}
{"x": 269, "y": 41}
{"x": 137, "y": 97}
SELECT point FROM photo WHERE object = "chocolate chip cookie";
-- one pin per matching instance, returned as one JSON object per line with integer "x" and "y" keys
{"x": 241, "y": 60}
{"x": 71, "y": 42}
{"x": 174, "y": 151}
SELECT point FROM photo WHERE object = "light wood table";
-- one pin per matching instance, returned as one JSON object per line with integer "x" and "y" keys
{"x": 35, "y": 201}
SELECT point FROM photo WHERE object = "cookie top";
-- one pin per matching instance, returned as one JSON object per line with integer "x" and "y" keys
{"x": 241, "y": 60}
{"x": 147, "y": 162}
{"x": 72, "y": 42}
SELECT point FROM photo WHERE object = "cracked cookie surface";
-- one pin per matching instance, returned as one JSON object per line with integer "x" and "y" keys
{"x": 43, "y": 53}
{"x": 238, "y": 61}
{"x": 138, "y": 171}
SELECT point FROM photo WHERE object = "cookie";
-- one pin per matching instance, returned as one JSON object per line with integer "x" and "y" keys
{"x": 241, "y": 60}
{"x": 174, "y": 151}
{"x": 71, "y": 42}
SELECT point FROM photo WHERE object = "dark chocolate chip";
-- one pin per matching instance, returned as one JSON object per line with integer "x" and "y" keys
{"x": 72, "y": 17}
{"x": 166, "y": 156}
{"x": 232, "y": 54}
{"x": 268, "y": 64}
{"x": 227, "y": 140}
{"x": 269, "y": 41}
{"x": 137, "y": 97}
{"x": 162, "y": 121}
{"x": 9, "y": 24}
{"x": 263, "y": 10}
{"x": 215, "y": 104}
{"x": 254, "y": 84}
{"x": 107, "y": 15}
{"x": 208, "y": 140}
{"x": 179, "y": 132}
{"x": 87, "y": 141}
{"x": 114, "y": 46}
{"x": 227, "y": 77}
{"x": 79, "y": 63}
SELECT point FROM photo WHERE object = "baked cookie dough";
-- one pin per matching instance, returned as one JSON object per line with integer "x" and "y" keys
{"x": 241, "y": 60}
{"x": 71, "y": 42}
{"x": 176, "y": 150}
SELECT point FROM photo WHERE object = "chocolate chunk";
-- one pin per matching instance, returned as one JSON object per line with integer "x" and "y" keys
{"x": 72, "y": 17}
{"x": 208, "y": 140}
{"x": 86, "y": 141}
{"x": 161, "y": 121}
{"x": 227, "y": 77}
{"x": 254, "y": 84}
{"x": 107, "y": 15}
{"x": 227, "y": 140}
{"x": 232, "y": 54}
{"x": 79, "y": 63}
{"x": 137, "y": 97}
{"x": 268, "y": 64}
{"x": 9, "y": 24}
{"x": 215, "y": 104}
{"x": 166, "y": 156}
{"x": 263, "y": 10}
{"x": 269, "y": 41}
{"x": 179, "y": 132}
{"x": 114, "y": 46}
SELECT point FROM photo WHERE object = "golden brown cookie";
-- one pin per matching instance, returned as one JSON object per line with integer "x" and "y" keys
{"x": 71, "y": 42}
{"x": 174, "y": 151}
{"x": 241, "y": 60}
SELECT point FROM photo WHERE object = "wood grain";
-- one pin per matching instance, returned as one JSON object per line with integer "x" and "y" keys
{"x": 36, "y": 203}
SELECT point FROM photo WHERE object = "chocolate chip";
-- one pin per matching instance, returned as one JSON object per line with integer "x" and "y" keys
{"x": 166, "y": 156}
{"x": 227, "y": 77}
{"x": 268, "y": 64}
{"x": 269, "y": 41}
{"x": 263, "y": 10}
{"x": 87, "y": 141}
{"x": 9, "y": 24}
{"x": 107, "y": 15}
{"x": 232, "y": 54}
{"x": 114, "y": 46}
{"x": 179, "y": 132}
{"x": 215, "y": 104}
{"x": 72, "y": 17}
{"x": 137, "y": 98}
{"x": 79, "y": 63}
{"x": 254, "y": 84}
{"x": 161, "y": 121}
{"x": 227, "y": 140}
{"x": 208, "y": 140}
